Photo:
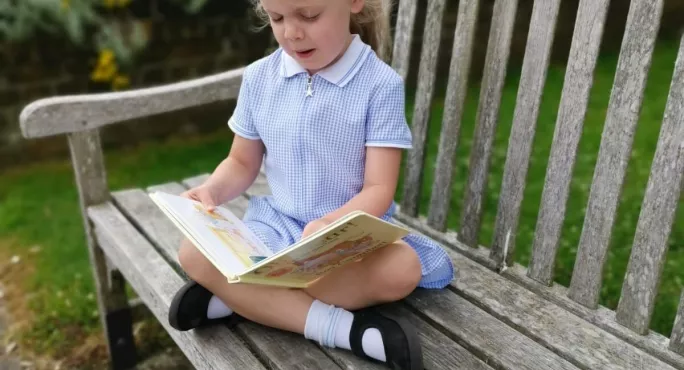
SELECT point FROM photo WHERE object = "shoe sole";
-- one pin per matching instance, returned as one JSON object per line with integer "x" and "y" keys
{"x": 175, "y": 304}
{"x": 415, "y": 349}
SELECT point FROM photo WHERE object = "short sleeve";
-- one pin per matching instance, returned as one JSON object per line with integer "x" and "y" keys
{"x": 241, "y": 122}
{"x": 386, "y": 124}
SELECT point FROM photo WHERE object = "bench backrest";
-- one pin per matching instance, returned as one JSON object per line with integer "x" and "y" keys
{"x": 647, "y": 258}
{"x": 80, "y": 117}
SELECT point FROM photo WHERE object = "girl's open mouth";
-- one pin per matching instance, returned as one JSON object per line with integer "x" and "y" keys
{"x": 305, "y": 53}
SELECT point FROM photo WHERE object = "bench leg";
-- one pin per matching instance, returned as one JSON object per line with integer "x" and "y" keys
{"x": 115, "y": 313}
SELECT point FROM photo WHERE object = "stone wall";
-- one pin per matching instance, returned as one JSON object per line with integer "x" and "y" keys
{"x": 181, "y": 47}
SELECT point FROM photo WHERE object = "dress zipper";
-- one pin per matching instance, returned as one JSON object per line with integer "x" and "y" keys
{"x": 309, "y": 91}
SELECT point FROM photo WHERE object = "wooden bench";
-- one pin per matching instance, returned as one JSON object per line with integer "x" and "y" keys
{"x": 496, "y": 314}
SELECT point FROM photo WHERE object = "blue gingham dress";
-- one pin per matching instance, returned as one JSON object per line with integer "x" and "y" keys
{"x": 315, "y": 133}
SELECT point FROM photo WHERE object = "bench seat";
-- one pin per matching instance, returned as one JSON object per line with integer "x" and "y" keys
{"x": 484, "y": 320}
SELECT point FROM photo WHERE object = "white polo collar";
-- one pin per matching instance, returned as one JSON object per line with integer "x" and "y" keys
{"x": 338, "y": 73}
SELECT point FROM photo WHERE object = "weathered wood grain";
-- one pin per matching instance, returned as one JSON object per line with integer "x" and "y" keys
{"x": 439, "y": 351}
{"x": 423, "y": 104}
{"x": 91, "y": 181}
{"x": 574, "y": 339}
{"x": 64, "y": 114}
{"x": 401, "y": 54}
{"x": 652, "y": 343}
{"x": 579, "y": 76}
{"x": 483, "y": 334}
{"x": 535, "y": 66}
{"x": 453, "y": 112}
{"x": 137, "y": 206}
{"x": 623, "y": 113}
{"x": 498, "y": 49}
{"x": 677, "y": 337}
{"x": 665, "y": 184}
{"x": 156, "y": 283}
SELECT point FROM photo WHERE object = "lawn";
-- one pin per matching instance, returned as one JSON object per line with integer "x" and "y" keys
{"x": 61, "y": 290}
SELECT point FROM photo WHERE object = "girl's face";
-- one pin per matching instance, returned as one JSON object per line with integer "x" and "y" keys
{"x": 314, "y": 32}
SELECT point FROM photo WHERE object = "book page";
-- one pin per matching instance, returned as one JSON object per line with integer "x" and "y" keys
{"x": 223, "y": 237}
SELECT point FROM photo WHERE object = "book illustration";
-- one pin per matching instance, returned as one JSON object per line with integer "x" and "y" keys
{"x": 333, "y": 256}
{"x": 320, "y": 263}
{"x": 230, "y": 234}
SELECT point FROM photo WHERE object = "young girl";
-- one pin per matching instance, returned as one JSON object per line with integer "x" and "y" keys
{"x": 326, "y": 115}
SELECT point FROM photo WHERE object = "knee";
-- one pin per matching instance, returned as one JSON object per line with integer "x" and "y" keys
{"x": 399, "y": 276}
{"x": 194, "y": 263}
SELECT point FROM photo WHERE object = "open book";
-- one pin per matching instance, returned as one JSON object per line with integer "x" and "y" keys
{"x": 241, "y": 256}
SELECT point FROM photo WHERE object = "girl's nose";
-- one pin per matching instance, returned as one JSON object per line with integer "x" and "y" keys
{"x": 292, "y": 32}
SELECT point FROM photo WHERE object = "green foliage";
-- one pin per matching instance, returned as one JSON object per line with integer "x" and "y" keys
{"x": 102, "y": 25}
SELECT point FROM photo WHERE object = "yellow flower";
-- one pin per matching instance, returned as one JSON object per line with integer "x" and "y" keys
{"x": 66, "y": 4}
{"x": 109, "y": 3}
{"x": 106, "y": 57}
{"x": 120, "y": 82}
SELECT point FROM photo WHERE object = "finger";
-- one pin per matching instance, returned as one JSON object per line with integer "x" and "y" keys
{"x": 207, "y": 201}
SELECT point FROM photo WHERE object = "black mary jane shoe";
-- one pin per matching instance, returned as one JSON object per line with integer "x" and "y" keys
{"x": 400, "y": 339}
{"x": 189, "y": 309}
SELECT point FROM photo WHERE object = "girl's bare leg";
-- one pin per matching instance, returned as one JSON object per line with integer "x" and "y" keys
{"x": 276, "y": 307}
{"x": 386, "y": 275}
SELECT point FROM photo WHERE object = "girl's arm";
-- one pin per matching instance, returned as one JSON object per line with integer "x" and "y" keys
{"x": 380, "y": 184}
{"x": 237, "y": 171}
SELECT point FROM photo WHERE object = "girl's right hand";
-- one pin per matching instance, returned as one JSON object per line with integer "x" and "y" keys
{"x": 203, "y": 194}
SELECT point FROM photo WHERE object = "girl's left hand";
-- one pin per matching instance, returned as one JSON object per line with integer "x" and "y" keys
{"x": 314, "y": 226}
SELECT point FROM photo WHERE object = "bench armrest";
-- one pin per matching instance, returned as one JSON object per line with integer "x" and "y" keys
{"x": 73, "y": 113}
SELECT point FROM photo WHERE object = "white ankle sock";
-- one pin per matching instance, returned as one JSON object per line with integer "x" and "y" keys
{"x": 330, "y": 326}
{"x": 217, "y": 308}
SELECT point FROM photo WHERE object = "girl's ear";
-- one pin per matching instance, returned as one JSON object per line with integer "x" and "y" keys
{"x": 357, "y": 6}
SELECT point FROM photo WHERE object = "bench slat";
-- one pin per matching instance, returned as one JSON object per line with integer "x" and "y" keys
{"x": 406, "y": 18}
{"x": 457, "y": 87}
{"x": 575, "y": 339}
{"x": 616, "y": 142}
{"x": 156, "y": 283}
{"x": 421, "y": 113}
{"x": 282, "y": 349}
{"x": 535, "y": 66}
{"x": 579, "y": 75}
{"x": 64, "y": 114}
{"x": 677, "y": 337}
{"x": 498, "y": 50}
{"x": 603, "y": 318}
{"x": 439, "y": 351}
{"x": 135, "y": 204}
{"x": 665, "y": 184}
{"x": 483, "y": 334}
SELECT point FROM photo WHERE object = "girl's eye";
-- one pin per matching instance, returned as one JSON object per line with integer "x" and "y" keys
{"x": 276, "y": 20}
{"x": 310, "y": 17}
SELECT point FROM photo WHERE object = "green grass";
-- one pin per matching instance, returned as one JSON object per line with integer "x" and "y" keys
{"x": 35, "y": 212}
